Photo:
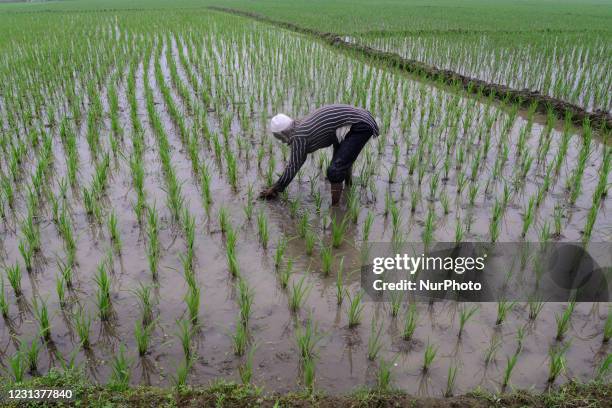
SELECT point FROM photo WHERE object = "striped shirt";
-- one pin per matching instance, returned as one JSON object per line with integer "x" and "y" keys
{"x": 318, "y": 130}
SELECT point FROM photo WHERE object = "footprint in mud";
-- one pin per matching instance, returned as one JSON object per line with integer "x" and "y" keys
{"x": 283, "y": 356}
{"x": 404, "y": 346}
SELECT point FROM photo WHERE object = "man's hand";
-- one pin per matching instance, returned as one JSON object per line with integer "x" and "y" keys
{"x": 268, "y": 194}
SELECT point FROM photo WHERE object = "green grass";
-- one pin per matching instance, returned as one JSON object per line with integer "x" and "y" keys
{"x": 89, "y": 394}
{"x": 120, "y": 371}
{"x": 384, "y": 375}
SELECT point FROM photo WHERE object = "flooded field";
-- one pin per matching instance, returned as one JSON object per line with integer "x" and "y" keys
{"x": 571, "y": 66}
{"x": 132, "y": 236}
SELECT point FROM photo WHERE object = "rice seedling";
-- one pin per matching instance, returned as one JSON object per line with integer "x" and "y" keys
{"x": 13, "y": 274}
{"x": 428, "y": 229}
{"x": 520, "y": 337}
{"x": 192, "y": 299}
{"x": 338, "y": 230}
{"x": 444, "y": 200}
{"x": 491, "y": 351}
{"x": 528, "y": 216}
{"x": 286, "y": 273}
{"x": 248, "y": 206}
{"x": 367, "y": 225}
{"x": 262, "y": 228}
{"x": 340, "y": 283}
{"x": 410, "y": 322}
{"x": 318, "y": 201}
{"x": 142, "y": 334}
{"x": 607, "y": 332}
{"x": 230, "y": 252}
{"x": 17, "y": 367}
{"x": 503, "y": 307}
{"x": 31, "y": 232}
{"x": 353, "y": 205}
{"x": 326, "y": 259}
{"x": 459, "y": 231}
{"x": 42, "y": 315}
{"x": 294, "y": 206}
{"x": 307, "y": 338}
{"x": 397, "y": 299}
{"x": 103, "y": 297}
{"x": 308, "y": 368}
{"x": 535, "y": 307}
{"x": 297, "y": 295}
{"x": 153, "y": 247}
{"x": 143, "y": 295}
{"x": 60, "y": 286}
{"x": 27, "y": 254}
{"x": 246, "y": 370}
{"x": 182, "y": 372}
{"x": 464, "y": 315}
{"x": 429, "y": 356}
{"x": 224, "y": 220}
{"x": 563, "y": 320}
{"x": 4, "y": 304}
{"x": 184, "y": 335}
{"x": 384, "y": 374}
{"x": 451, "y": 378}
{"x": 245, "y": 301}
{"x": 355, "y": 309}
{"x": 240, "y": 339}
{"x": 303, "y": 225}
{"x": 473, "y": 193}
{"x": 279, "y": 252}
{"x": 189, "y": 229}
{"x": 120, "y": 371}
{"x": 113, "y": 231}
{"x": 82, "y": 325}
{"x": 510, "y": 363}
{"x": 309, "y": 242}
{"x": 31, "y": 354}
{"x": 557, "y": 362}
{"x": 374, "y": 341}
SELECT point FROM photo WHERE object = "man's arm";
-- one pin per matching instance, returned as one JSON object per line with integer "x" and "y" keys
{"x": 297, "y": 159}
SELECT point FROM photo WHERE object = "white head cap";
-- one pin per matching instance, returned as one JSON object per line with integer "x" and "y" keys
{"x": 280, "y": 122}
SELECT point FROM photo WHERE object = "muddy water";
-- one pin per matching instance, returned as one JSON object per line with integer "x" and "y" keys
{"x": 342, "y": 362}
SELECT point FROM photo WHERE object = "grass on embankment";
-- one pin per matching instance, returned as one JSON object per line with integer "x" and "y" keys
{"x": 223, "y": 394}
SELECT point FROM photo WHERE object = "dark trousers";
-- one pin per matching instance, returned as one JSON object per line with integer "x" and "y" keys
{"x": 346, "y": 153}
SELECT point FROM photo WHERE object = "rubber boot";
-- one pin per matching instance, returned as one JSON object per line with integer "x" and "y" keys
{"x": 336, "y": 193}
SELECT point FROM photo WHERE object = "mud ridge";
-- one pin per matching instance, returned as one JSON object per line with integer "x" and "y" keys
{"x": 459, "y": 31}
{"x": 599, "y": 119}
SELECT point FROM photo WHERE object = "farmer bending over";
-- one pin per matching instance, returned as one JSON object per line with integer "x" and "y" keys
{"x": 344, "y": 127}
